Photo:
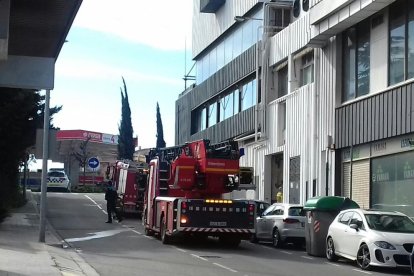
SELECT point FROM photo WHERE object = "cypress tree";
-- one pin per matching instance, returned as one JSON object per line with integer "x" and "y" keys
{"x": 126, "y": 147}
{"x": 160, "y": 131}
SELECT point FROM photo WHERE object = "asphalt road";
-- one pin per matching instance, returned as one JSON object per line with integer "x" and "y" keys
{"x": 123, "y": 249}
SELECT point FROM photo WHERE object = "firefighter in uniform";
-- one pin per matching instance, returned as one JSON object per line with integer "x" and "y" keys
{"x": 111, "y": 197}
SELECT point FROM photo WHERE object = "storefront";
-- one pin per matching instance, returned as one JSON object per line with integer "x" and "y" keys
{"x": 380, "y": 175}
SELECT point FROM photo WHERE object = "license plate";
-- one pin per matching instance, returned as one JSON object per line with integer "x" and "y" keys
{"x": 218, "y": 223}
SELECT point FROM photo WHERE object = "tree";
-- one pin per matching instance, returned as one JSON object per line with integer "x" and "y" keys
{"x": 160, "y": 131}
{"x": 126, "y": 147}
{"x": 20, "y": 115}
{"x": 82, "y": 156}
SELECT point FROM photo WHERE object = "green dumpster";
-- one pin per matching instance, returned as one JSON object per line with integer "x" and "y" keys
{"x": 320, "y": 212}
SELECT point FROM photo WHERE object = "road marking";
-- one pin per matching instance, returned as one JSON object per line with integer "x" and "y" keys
{"x": 139, "y": 233}
{"x": 359, "y": 270}
{"x": 75, "y": 193}
{"x": 196, "y": 256}
{"x": 91, "y": 199}
{"x": 99, "y": 207}
{"x": 332, "y": 264}
{"x": 148, "y": 237}
{"x": 181, "y": 250}
{"x": 289, "y": 253}
{"x": 225, "y": 267}
{"x": 306, "y": 257}
{"x": 97, "y": 235}
{"x": 105, "y": 212}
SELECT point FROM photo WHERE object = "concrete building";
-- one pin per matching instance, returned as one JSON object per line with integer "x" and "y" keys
{"x": 303, "y": 86}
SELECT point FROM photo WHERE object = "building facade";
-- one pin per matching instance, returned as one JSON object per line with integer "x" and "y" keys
{"x": 304, "y": 86}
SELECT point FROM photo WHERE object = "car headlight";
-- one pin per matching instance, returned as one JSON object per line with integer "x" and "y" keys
{"x": 384, "y": 245}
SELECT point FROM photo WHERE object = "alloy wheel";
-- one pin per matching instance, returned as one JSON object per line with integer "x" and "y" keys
{"x": 364, "y": 257}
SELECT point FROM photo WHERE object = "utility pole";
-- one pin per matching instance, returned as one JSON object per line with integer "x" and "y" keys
{"x": 43, "y": 196}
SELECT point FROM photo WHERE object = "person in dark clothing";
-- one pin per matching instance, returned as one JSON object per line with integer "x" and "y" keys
{"x": 111, "y": 197}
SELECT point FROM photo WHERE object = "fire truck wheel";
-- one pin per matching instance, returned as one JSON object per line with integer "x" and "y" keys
{"x": 148, "y": 232}
{"x": 163, "y": 232}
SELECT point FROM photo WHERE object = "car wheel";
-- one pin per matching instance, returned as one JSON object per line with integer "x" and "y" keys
{"x": 364, "y": 257}
{"x": 330, "y": 250}
{"x": 276, "y": 240}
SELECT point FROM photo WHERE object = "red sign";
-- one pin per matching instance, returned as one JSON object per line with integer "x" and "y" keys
{"x": 79, "y": 134}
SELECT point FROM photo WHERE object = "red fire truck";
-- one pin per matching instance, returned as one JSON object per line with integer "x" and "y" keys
{"x": 185, "y": 193}
{"x": 129, "y": 178}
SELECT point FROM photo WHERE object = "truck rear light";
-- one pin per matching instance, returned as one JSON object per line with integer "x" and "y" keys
{"x": 225, "y": 201}
{"x": 183, "y": 220}
{"x": 251, "y": 207}
{"x": 183, "y": 205}
{"x": 290, "y": 220}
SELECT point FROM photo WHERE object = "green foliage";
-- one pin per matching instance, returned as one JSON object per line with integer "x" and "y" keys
{"x": 126, "y": 147}
{"x": 20, "y": 115}
{"x": 160, "y": 131}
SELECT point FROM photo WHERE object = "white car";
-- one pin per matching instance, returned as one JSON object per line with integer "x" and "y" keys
{"x": 58, "y": 179}
{"x": 372, "y": 238}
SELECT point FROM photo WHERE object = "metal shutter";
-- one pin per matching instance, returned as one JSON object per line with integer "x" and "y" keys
{"x": 360, "y": 183}
{"x": 346, "y": 179}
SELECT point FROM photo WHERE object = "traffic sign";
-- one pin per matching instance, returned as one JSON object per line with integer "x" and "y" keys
{"x": 93, "y": 163}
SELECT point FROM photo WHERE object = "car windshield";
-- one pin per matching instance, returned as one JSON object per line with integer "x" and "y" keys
{"x": 390, "y": 223}
{"x": 296, "y": 212}
{"x": 56, "y": 174}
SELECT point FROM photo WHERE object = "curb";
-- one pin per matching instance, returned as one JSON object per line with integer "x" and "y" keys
{"x": 70, "y": 263}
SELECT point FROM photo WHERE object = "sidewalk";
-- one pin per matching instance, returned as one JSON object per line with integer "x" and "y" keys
{"x": 22, "y": 254}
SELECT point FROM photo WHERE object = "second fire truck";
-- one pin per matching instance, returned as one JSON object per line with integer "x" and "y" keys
{"x": 187, "y": 189}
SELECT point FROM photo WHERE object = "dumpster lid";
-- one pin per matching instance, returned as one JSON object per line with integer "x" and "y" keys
{"x": 330, "y": 203}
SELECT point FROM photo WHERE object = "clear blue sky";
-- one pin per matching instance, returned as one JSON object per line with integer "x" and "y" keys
{"x": 141, "y": 41}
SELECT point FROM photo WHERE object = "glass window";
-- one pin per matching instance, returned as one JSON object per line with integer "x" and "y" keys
{"x": 349, "y": 63}
{"x": 296, "y": 212}
{"x": 282, "y": 81}
{"x": 213, "y": 62}
{"x": 356, "y": 60}
{"x": 212, "y": 114}
{"x": 228, "y": 49}
{"x": 269, "y": 210}
{"x": 247, "y": 96}
{"x": 236, "y": 102}
{"x": 237, "y": 43}
{"x": 397, "y": 42}
{"x": 392, "y": 183}
{"x": 220, "y": 56}
{"x": 307, "y": 69}
{"x": 410, "y": 39}
{"x": 363, "y": 58}
{"x": 203, "y": 116}
{"x": 230, "y": 105}
{"x": 247, "y": 35}
{"x": 206, "y": 68}
{"x": 357, "y": 219}
{"x": 346, "y": 218}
